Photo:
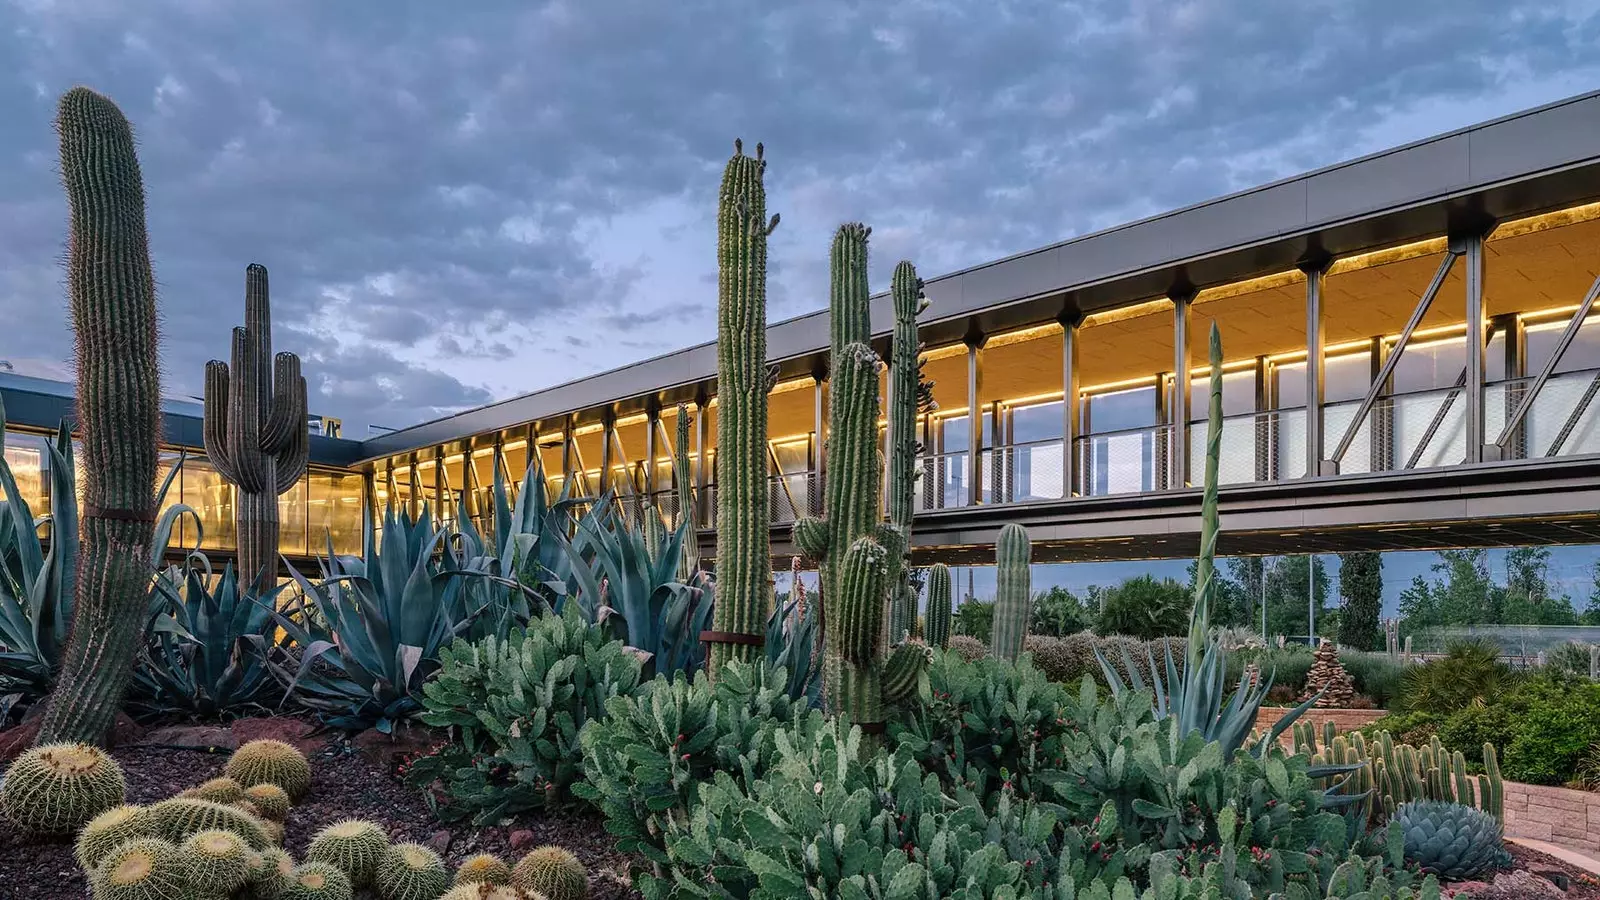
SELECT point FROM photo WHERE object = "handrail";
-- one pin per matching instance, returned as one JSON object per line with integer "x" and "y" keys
{"x": 1567, "y": 336}
{"x": 1393, "y": 359}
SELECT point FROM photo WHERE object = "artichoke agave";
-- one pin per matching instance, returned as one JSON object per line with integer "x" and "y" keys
{"x": 1451, "y": 840}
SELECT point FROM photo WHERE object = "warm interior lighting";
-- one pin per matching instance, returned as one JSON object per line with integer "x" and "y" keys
{"x": 948, "y": 351}
{"x": 1124, "y": 313}
{"x": 1401, "y": 253}
{"x": 1250, "y": 286}
{"x": 1546, "y": 221}
{"x": 1022, "y": 335}
{"x": 793, "y": 384}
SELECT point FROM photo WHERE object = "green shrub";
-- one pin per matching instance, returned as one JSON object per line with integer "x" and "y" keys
{"x": 1469, "y": 674}
{"x": 975, "y": 619}
{"x": 1145, "y": 608}
{"x": 1553, "y": 735}
{"x": 1469, "y": 729}
{"x": 1414, "y": 728}
{"x": 1064, "y": 659}
{"x": 1377, "y": 675}
{"x": 967, "y": 647}
{"x": 1286, "y": 666}
{"x": 519, "y": 705}
{"x": 1570, "y": 658}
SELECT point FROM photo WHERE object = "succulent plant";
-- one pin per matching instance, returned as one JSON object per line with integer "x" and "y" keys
{"x": 56, "y": 788}
{"x": 270, "y": 800}
{"x": 271, "y": 762}
{"x": 411, "y": 872}
{"x": 219, "y": 861}
{"x": 113, "y": 305}
{"x": 744, "y": 554}
{"x": 554, "y": 872}
{"x": 142, "y": 869}
{"x": 1013, "y": 593}
{"x": 683, "y": 487}
{"x": 273, "y": 831}
{"x": 483, "y": 890}
{"x": 355, "y": 846}
{"x": 1453, "y": 841}
{"x": 1391, "y": 774}
{"x": 317, "y": 881}
{"x": 271, "y": 876}
{"x": 180, "y": 817}
{"x": 109, "y": 829}
{"x": 485, "y": 868}
{"x": 938, "y": 615}
{"x": 217, "y": 790}
{"x": 255, "y": 431}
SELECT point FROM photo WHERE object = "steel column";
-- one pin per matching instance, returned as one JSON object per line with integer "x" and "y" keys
{"x": 1181, "y": 303}
{"x": 1315, "y": 364}
{"x": 698, "y": 489}
{"x": 566, "y": 454}
{"x": 975, "y": 344}
{"x": 608, "y": 434}
{"x": 1264, "y": 444}
{"x": 819, "y": 428}
{"x": 1475, "y": 350}
{"x": 652, "y": 422}
{"x": 1070, "y": 326}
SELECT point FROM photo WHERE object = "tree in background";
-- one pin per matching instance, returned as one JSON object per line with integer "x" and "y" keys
{"x": 1249, "y": 573}
{"x": 1464, "y": 593}
{"x": 1361, "y": 590}
{"x": 1527, "y": 598}
{"x": 1145, "y": 608}
{"x": 1286, "y": 596}
{"x": 1591, "y": 613}
{"x": 975, "y": 618}
{"x": 1232, "y": 603}
{"x": 1058, "y": 612}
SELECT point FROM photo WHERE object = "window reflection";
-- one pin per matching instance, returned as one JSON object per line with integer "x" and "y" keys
{"x": 212, "y": 500}
{"x": 179, "y": 539}
{"x": 25, "y": 456}
{"x": 292, "y": 519}
{"x": 334, "y": 513}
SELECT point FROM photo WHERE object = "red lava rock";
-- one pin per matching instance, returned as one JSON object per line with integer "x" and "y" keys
{"x": 296, "y": 732}
{"x": 388, "y": 751}
{"x": 439, "y": 842}
{"x": 16, "y": 739}
{"x": 192, "y": 736}
{"x": 521, "y": 840}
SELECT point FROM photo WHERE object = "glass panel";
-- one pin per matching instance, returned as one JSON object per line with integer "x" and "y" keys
{"x": 334, "y": 511}
{"x": 1123, "y": 463}
{"x": 1236, "y": 463}
{"x": 1238, "y": 394}
{"x": 292, "y": 519}
{"x": 174, "y": 497}
{"x": 1583, "y": 353}
{"x": 25, "y": 456}
{"x": 212, "y": 499}
{"x": 1036, "y": 422}
{"x": 1121, "y": 410}
{"x": 953, "y": 433}
{"x": 1428, "y": 365}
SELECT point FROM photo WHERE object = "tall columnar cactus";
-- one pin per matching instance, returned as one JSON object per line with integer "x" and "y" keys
{"x": 744, "y": 555}
{"x": 1013, "y": 596}
{"x": 113, "y": 301}
{"x": 938, "y": 615}
{"x": 1205, "y": 586}
{"x": 255, "y": 430}
{"x": 683, "y": 483}
{"x": 852, "y": 547}
{"x": 908, "y": 395}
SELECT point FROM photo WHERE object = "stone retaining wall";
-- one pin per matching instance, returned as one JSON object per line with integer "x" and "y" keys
{"x": 1343, "y": 719}
{"x": 1562, "y": 816}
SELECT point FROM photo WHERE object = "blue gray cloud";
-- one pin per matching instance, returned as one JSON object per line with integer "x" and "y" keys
{"x": 465, "y": 201}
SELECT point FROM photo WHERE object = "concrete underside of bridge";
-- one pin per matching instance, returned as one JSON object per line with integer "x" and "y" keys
{"x": 1493, "y": 505}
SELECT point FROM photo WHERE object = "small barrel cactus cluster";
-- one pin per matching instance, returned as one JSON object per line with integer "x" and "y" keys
{"x": 56, "y": 788}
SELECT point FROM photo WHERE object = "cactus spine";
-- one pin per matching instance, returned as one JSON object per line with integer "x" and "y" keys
{"x": 113, "y": 300}
{"x": 255, "y": 430}
{"x": 744, "y": 554}
{"x": 908, "y": 394}
{"x": 1013, "y": 596}
{"x": 938, "y": 615}
{"x": 852, "y": 548}
{"x": 683, "y": 484}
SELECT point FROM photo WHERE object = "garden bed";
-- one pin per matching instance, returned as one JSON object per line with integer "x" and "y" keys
{"x": 345, "y": 784}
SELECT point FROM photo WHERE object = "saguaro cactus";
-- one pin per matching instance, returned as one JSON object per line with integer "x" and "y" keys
{"x": 938, "y": 625}
{"x": 113, "y": 300}
{"x": 908, "y": 395}
{"x": 744, "y": 555}
{"x": 852, "y": 547}
{"x": 1013, "y": 594}
{"x": 683, "y": 484}
{"x": 255, "y": 430}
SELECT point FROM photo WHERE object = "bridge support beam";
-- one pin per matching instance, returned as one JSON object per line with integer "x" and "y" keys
{"x": 1071, "y": 322}
{"x": 975, "y": 342}
{"x": 1315, "y": 366}
{"x": 1182, "y": 301}
{"x": 1472, "y": 252}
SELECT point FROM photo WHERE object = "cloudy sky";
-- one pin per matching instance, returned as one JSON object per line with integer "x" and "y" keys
{"x": 465, "y": 201}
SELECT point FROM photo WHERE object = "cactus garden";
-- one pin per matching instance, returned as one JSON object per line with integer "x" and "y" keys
{"x": 574, "y": 704}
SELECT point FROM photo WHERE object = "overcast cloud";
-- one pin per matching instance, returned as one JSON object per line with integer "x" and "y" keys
{"x": 465, "y": 201}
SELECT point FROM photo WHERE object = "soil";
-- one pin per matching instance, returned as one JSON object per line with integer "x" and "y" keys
{"x": 1582, "y": 885}
{"x": 345, "y": 785}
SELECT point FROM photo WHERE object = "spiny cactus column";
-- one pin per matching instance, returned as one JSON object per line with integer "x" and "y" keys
{"x": 938, "y": 615}
{"x": 683, "y": 483}
{"x": 1013, "y": 594}
{"x": 744, "y": 555}
{"x": 852, "y": 547}
{"x": 255, "y": 431}
{"x": 113, "y": 301}
{"x": 908, "y": 394}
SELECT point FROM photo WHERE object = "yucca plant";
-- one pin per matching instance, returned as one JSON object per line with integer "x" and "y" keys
{"x": 208, "y": 649}
{"x": 38, "y": 575}
{"x": 370, "y": 628}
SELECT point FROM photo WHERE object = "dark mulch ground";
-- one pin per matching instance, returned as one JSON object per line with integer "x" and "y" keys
{"x": 345, "y": 785}
{"x": 1582, "y": 885}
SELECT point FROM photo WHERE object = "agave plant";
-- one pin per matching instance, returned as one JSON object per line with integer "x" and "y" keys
{"x": 792, "y": 644}
{"x": 1197, "y": 696}
{"x": 370, "y": 628}
{"x": 38, "y": 576}
{"x": 207, "y": 651}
